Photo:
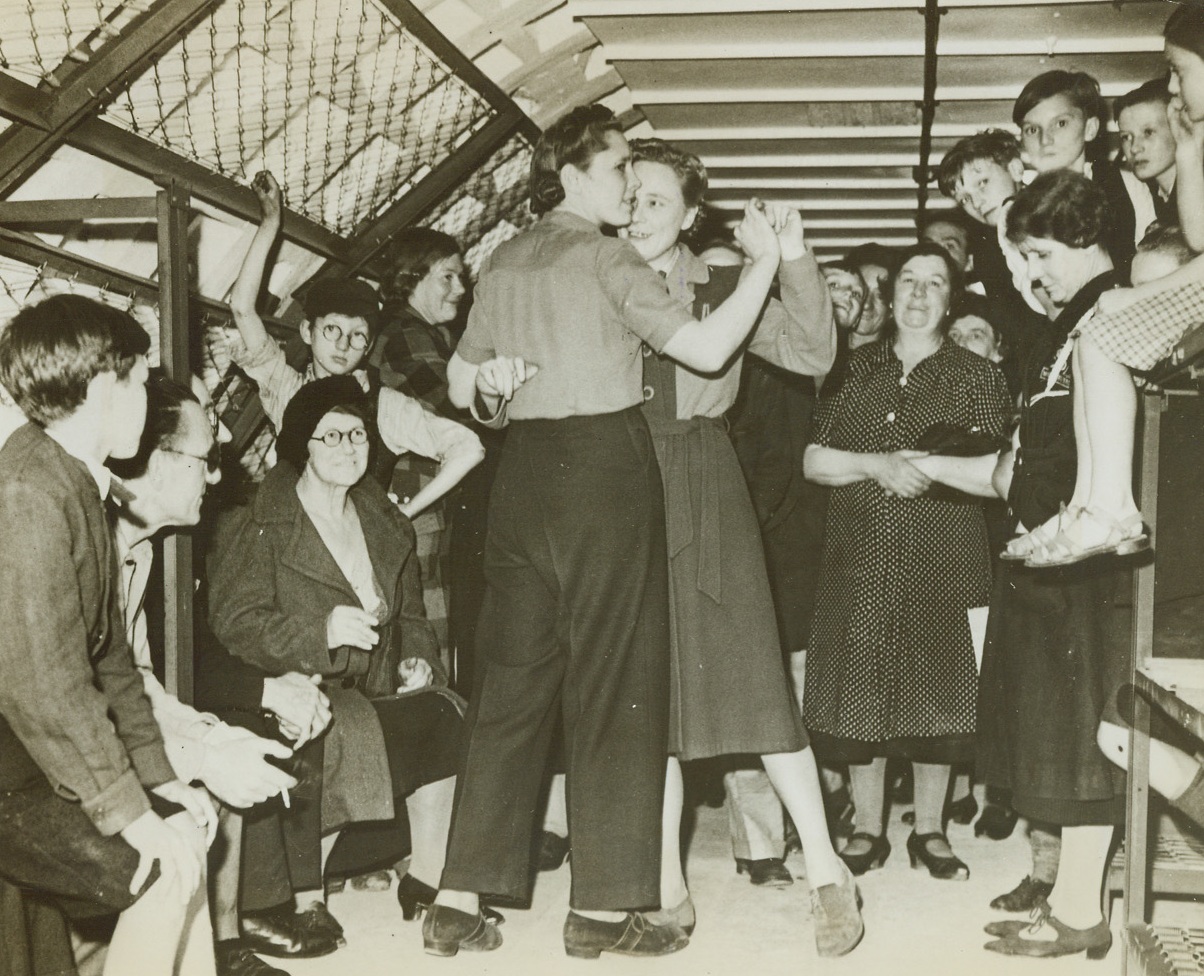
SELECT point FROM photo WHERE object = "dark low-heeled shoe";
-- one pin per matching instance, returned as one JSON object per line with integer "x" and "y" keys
{"x": 636, "y": 935}
{"x": 1026, "y": 896}
{"x": 1095, "y": 941}
{"x": 232, "y": 957}
{"x": 316, "y": 921}
{"x": 962, "y": 810}
{"x": 997, "y": 822}
{"x": 940, "y": 866}
{"x": 279, "y": 932}
{"x": 765, "y": 872}
{"x": 873, "y": 857}
{"x": 446, "y": 931}
{"x": 415, "y": 897}
{"x": 553, "y": 851}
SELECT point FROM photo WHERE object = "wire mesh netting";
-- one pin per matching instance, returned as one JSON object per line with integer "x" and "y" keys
{"x": 39, "y": 38}
{"x": 334, "y": 97}
{"x": 491, "y": 206}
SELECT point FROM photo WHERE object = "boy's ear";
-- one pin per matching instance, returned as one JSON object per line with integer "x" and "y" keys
{"x": 1015, "y": 170}
{"x": 307, "y": 332}
{"x": 1091, "y": 130}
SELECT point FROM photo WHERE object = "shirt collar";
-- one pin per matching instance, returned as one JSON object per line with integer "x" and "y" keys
{"x": 100, "y": 474}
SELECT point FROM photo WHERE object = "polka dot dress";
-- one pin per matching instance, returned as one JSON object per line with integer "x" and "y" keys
{"x": 891, "y": 655}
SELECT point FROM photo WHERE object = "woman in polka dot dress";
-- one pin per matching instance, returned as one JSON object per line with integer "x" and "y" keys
{"x": 891, "y": 669}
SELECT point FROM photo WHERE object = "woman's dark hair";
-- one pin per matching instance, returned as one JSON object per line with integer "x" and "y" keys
{"x": 51, "y": 351}
{"x": 165, "y": 399}
{"x": 1079, "y": 88}
{"x": 1185, "y": 28}
{"x": 1151, "y": 91}
{"x": 688, "y": 168}
{"x": 341, "y": 394}
{"x": 411, "y": 256}
{"x": 924, "y": 249}
{"x": 1061, "y": 206}
{"x": 576, "y": 138}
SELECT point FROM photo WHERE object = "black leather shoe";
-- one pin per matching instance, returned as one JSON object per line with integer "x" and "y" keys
{"x": 233, "y": 958}
{"x": 415, "y": 897}
{"x": 767, "y": 872}
{"x": 278, "y": 932}
{"x": 553, "y": 851}
{"x": 941, "y": 866}
{"x": 874, "y": 856}
{"x": 317, "y": 922}
{"x": 448, "y": 930}
{"x": 587, "y": 938}
{"x": 997, "y": 822}
{"x": 1026, "y": 896}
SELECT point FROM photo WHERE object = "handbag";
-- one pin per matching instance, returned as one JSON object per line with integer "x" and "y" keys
{"x": 951, "y": 440}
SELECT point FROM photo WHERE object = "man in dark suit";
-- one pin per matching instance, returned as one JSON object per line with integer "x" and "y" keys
{"x": 92, "y": 816}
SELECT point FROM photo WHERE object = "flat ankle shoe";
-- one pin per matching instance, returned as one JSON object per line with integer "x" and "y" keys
{"x": 636, "y": 935}
{"x": 232, "y": 957}
{"x": 836, "y": 911}
{"x": 940, "y": 866}
{"x": 553, "y": 851}
{"x": 682, "y": 916}
{"x": 316, "y": 921}
{"x": 997, "y": 822}
{"x": 1095, "y": 941}
{"x": 962, "y": 810}
{"x": 873, "y": 857}
{"x": 766, "y": 872}
{"x": 446, "y": 931}
{"x": 1026, "y": 896}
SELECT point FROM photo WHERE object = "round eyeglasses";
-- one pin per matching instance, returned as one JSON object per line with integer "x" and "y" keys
{"x": 356, "y": 340}
{"x": 333, "y": 438}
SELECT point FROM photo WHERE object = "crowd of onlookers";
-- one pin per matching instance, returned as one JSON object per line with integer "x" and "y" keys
{"x": 859, "y": 519}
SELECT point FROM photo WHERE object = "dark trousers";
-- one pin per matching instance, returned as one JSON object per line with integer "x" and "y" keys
{"x": 575, "y": 616}
{"x": 282, "y": 848}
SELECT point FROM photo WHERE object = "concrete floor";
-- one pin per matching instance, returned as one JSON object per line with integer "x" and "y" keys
{"x": 914, "y": 924}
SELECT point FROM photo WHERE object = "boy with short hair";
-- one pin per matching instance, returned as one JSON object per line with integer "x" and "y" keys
{"x": 76, "y": 822}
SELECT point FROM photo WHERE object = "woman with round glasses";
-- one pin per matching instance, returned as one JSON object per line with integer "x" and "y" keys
{"x": 342, "y": 321}
{"x": 318, "y": 575}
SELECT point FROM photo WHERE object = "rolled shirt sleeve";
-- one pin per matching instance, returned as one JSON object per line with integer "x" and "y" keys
{"x": 405, "y": 425}
{"x": 798, "y": 333}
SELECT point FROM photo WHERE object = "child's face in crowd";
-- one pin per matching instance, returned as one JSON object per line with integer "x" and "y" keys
{"x": 1146, "y": 140}
{"x": 1187, "y": 80}
{"x": 1054, "y": 135}
{"x": 976, "y": 334}
{"x": 985, "y": 186}
{"x": 334, "y": 339}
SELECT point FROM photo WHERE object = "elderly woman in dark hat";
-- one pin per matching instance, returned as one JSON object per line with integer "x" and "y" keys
{"x": 318, "y": 575}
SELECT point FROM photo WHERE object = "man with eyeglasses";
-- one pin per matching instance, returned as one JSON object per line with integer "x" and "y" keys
{"x": 178, "y": 458}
